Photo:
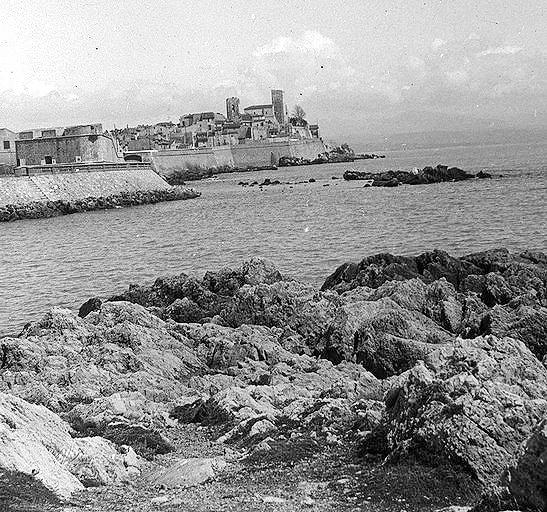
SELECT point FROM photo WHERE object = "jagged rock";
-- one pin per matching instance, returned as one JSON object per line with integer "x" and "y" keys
{"x": 527, "y": 479}
{"x": 521, "y": 272}
{"x": 524, "y": 323}
{"x": 186, "y": 472}
{"x": 36, "y": 444}
{"x": 524, "y": 484}
{"x": 185, "y": 310}
{"x": 382, "y": 336}
{"x": 187, "y": 299}
{"x": 145, "y": 440}
{"x": 298, "y": 389}
{"x": 221, "y": 347}
{"x": 438, "y": 174}
{"x": 93, "y": 304}
{"x": 121, "y": 361}
{"x": 283, "y": 304}
{"x": 471, "y": 403}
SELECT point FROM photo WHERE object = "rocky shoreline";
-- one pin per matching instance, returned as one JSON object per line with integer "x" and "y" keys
{"x": 438, "y": 174}
{"x": 415, "y": 382}
{"x": 44, "y": 209}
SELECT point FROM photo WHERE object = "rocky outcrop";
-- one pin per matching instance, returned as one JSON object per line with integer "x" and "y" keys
{"x": 39, "y": 456}
{"x": 125, "y": 374}
{"x": 523, "y": 485}
{"x": 432, "y": 357}
{"x": 439, "y": 174}
{"x": 491, "y": 292}
{"x": 43, "y": 209}
{"x": 471, "y": 403}
{"x": 119, "y": 362}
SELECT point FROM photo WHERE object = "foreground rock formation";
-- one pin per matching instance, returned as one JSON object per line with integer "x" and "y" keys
{"x": 438, "y": 174}
{"x": 38, "y": 453}
{"x": 432, "y": 358}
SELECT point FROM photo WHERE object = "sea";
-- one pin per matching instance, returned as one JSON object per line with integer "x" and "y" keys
{"x": 307, "y": 229}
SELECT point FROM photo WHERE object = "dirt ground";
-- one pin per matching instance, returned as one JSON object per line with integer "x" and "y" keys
{"x": 296, "y": 475}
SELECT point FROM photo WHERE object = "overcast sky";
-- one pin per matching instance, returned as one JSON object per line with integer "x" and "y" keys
{"x": 355, "y": 66}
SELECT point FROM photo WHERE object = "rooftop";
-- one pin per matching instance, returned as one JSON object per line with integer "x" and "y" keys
{"x": 258, "y": 106}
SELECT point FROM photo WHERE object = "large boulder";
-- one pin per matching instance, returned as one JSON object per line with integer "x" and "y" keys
{"x": 527, "y": 478}
{"x": 511, "y": 274}
{"x": 381, "y": 335}
{"x": 471, "y": 403}
{"x": 38, "y": 452}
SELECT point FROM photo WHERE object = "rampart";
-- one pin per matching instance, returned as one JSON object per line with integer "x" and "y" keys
{"x": 70, "y": 186}
{"x": 49, "y": 194}
{"x": 241, "y": 156}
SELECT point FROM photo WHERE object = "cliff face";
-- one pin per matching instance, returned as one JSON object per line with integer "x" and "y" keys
{"x": 431, "y": 364}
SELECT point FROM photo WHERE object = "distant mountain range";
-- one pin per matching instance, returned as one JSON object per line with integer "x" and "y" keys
{"x": 417, "y": 130}
{"x": 436, "y": 139}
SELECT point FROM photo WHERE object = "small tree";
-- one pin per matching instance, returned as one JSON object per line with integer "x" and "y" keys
{"x": 299, "y": 115}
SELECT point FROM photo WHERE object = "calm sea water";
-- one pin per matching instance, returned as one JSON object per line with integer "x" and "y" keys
{"x": 307, "y": 230}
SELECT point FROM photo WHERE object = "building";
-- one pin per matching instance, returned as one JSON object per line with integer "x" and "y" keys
{"x": 232, "y": 109}
{"x": 74, "y": 144}
{"x": 260, "y": 110}
{"x": 278, "y": 106}
{"x": 202, "y": 122}
{"x": 7, "y": 147}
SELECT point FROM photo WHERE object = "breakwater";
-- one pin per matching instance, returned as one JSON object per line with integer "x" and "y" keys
{"x": 52, "y": 194}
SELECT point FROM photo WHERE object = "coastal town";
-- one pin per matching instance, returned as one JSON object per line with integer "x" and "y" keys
{"x": 199, "y": 134}
{"x": 273, "y": 256}
{"x": 46, "y": 172}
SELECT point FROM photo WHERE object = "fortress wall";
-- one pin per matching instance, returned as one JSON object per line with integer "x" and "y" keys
{"x": 308, "y": 149}
{"x": 72, "y": 186}
{"x": 168, "y": 161}
{"x": 256, "y": 155}
{"x": 252, "y": 154}
{"x": 260, "y": 154}
{"x": 224, "y": 156}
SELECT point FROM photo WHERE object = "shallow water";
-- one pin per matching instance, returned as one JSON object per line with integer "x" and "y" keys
{"x": 307, "y": 230}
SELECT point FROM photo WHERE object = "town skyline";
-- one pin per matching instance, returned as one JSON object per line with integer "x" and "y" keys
{"x": 368, "y": 69}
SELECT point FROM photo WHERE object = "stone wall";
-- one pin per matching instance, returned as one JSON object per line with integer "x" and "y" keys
{"x": 74, "y": 186}
{"x": 253, "y": 154}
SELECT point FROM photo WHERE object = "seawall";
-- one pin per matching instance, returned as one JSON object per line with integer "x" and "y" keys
{"x": 241, "y": 156}
{"x": 51, "y": 194}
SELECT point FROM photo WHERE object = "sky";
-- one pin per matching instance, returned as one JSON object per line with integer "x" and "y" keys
{"x": 356, "y": 67}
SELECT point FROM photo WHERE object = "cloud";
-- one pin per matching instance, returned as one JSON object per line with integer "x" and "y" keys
{"x": 310, "y": 42}
{"x": 467, "y": 78}
{"x": 501, "y": 50}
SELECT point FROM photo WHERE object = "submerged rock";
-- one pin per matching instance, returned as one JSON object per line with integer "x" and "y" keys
{"x": 438, "y": 174}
